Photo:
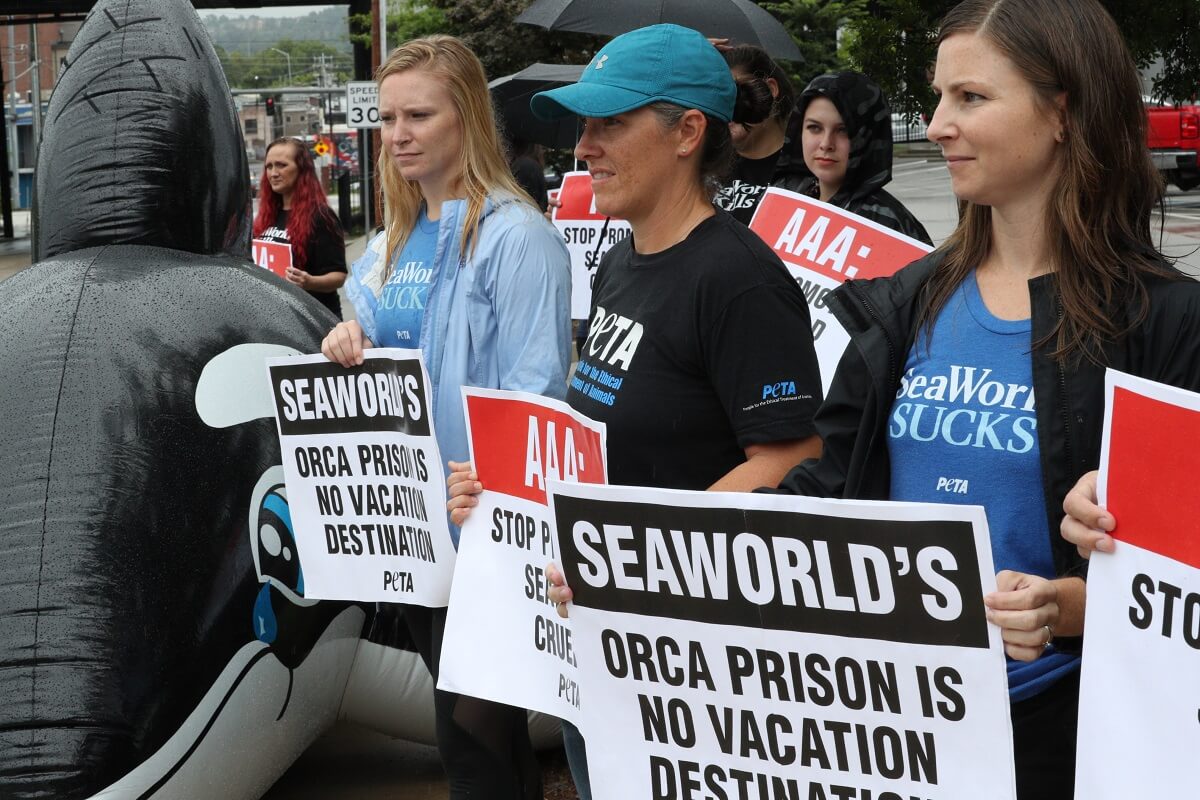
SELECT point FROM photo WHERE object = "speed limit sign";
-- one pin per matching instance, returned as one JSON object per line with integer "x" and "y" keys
{"x": 362, "y": 104}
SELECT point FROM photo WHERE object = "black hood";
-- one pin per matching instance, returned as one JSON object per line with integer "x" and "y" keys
{"x": 142, "y": 144}
{"x": 868, "y": 121}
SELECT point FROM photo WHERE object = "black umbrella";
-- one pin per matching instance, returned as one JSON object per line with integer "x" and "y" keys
{"x": 511, "y": 94}
{"x": 740, "y": 21}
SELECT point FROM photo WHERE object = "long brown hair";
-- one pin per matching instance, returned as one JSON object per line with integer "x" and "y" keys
{"x": 1098, "y": 217}
{"x": 482, "y": 165}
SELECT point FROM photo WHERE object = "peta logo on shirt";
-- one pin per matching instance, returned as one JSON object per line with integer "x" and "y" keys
{"x": 613, "y": 339}
{"x": 777, "y": 390}
{"x": 966, "y": 408}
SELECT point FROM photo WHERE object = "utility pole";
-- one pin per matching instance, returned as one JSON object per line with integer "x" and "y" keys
{"x": 36, "y": 63}
{"x": 14, "y": 160}
{"x": 5, "y": 188}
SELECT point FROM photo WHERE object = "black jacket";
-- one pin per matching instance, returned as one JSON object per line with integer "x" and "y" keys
{"x": 880, "y": 316}
{"x": 868, "y": 120}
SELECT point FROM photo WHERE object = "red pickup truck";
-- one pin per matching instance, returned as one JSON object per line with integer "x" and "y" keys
{"x": 1174, "y": 140}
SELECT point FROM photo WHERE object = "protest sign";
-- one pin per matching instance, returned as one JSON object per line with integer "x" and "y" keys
{"x": 754, "y": 646}
{"x": 822, "y": 246}
{"x": 275, "y": 256}
{"x": 498, "y": 603}
{"x": 587, "y": 236}
{"x": 1139, "y": 703}
{"x": 364, "y": 478}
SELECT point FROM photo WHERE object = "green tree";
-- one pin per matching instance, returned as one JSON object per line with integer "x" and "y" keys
{"x": 815, "y": 25}
{"x": 505, "y": 47}
{"x": 896, "y": 44}
{"x": 405, "y": 20}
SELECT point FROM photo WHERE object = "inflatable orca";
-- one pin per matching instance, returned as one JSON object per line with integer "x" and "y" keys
{"x": 154, "y": 637}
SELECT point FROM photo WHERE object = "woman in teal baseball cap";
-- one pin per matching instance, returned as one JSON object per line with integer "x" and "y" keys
{"x": 690, "y": 311}
{"x": 694, "y": 319}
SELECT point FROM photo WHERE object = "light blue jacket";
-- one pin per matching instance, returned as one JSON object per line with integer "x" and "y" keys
{"x": 499, "y": 318}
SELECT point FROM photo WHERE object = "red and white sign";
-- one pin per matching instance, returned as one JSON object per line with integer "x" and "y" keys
{"x": 587, "y": 236}
{"x": 1139, "y": 703}
{"x": 498, "y": 602}
{"x": 275, "y": 256}
{"x": 823, "y": 245}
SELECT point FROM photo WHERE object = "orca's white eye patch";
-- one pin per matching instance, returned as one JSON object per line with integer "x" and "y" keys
{"x": 233, "y": 386}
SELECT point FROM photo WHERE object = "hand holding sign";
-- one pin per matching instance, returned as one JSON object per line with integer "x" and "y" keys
{"x": 1087, "y": 525}
{"x": 761, "y": 646}
{"x": 1026, "y": 609}
{"x": 462, "y": 487}
{"x": 345, "y": 344}
{"x": 361, "y": 464}
{"x": 1138, "y": 694}
{"x": 499, "y": 601}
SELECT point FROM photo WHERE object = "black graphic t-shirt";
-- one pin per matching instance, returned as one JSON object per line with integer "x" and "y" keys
{"x": 741, "y": 194}
{"x": 694, "y": 354}
{"x": 326, "y": 252}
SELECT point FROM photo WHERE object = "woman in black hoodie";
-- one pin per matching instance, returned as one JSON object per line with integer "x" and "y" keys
{"x": 846, "y": 140}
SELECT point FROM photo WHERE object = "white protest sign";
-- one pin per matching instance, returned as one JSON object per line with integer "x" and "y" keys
{"x": 498, "y": 603}
{"x": 822, "y": 246}
{"x": 757, "y": 646}
{"x": 1139, "y": 701}
{"x": 586, "y": 235}
{"x": 362, "y": 104}
{"x": 364, "y": 477}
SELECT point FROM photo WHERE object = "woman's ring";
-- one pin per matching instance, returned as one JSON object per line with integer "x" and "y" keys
{"x": 1049, "y": 636}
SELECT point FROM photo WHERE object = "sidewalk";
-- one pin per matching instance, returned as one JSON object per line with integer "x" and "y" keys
{"x": 14, "y": 253}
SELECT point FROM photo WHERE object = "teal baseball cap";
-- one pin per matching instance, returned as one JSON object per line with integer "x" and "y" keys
{"x": 658, "y": 63}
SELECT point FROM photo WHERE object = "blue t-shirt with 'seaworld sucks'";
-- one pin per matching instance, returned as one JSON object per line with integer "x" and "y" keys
{"x": 402, "y": 302}
{"x": 963, "y": 430}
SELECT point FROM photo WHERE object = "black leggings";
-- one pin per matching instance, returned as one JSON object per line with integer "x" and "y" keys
{"x": 1044, "y": 728}
{"x": 484, "y": 746}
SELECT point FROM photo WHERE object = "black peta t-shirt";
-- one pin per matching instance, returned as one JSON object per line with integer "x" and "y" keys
{"x": 749, "y": 182}
{"x": 326, "y": 251}
{"x": 694, "y": 354}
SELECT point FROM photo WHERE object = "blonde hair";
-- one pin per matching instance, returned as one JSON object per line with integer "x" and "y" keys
{"x": 482, "y": 167}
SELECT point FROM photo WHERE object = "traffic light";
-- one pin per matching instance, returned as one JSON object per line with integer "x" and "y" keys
{"x": 270, "y": 106}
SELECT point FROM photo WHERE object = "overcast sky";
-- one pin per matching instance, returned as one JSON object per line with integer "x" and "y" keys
{"x": 285, "y": 11}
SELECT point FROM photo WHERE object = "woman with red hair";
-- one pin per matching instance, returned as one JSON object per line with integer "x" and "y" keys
{"x": 292, "y": 211}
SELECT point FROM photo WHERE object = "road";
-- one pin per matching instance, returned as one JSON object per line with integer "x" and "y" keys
{"x": 923, "y": 184}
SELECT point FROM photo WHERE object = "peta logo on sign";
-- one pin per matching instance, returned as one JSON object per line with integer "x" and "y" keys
{"x": 781, "y": 389}
{"x": 600, "y": 63}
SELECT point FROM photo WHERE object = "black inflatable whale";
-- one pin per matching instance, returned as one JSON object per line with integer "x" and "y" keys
{"x": 152, "y": 638}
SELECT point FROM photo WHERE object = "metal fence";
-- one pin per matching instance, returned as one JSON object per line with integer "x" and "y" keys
{"x": 904, "y": 131}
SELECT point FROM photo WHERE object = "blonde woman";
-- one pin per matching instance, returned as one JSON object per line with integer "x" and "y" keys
{"x": 467, "y": 270}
